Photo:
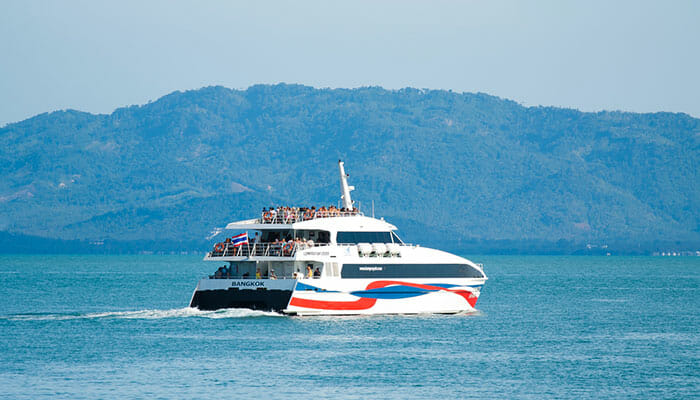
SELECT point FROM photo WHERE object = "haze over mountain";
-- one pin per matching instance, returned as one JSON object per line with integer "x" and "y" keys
{"x": 448, "y": 169}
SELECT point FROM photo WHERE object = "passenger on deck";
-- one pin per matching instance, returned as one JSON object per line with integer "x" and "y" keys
{"x": 317, "y": 273}
{"x": 272, "y": 274}
{"x": 257, "y": 274}
{"x": 288, "y": 248}
{"x": 309, "y": 271}
{"x": 246, "y": 275}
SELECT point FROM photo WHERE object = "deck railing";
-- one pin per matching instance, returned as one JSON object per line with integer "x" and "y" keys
{"x": 292, "y": 216}
{"x": 278, "y": 277}
{"x": 287, "y": 249}
{"x": 261, "y": 249}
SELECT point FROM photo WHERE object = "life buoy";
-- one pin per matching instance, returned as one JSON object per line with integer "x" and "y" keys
{"x": 267, "y": 217}
{"x": 219, "y": 248}
{"x": 287, "y": 249}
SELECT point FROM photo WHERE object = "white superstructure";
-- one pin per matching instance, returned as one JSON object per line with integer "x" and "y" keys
{"x": 309, "y": 261}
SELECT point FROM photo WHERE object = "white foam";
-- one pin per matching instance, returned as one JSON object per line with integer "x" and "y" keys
{"x": 186, "y": 312}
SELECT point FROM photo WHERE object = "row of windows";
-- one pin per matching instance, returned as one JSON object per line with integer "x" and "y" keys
{"x": 367, "y": 237}
{"x": 384, "y": 271}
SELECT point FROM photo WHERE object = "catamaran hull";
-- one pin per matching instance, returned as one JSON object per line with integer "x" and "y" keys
{"x": 267, "y": 300}
{"x": 330, "y": 297}
{"x": 255, "y": 294}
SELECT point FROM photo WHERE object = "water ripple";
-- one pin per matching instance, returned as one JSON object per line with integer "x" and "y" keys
{"x": 186, "y": 312}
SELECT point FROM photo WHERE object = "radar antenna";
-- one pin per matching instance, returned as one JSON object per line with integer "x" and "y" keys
{"x": 344, "y": 188}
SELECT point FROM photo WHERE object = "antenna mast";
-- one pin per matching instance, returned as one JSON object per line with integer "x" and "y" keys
{"x": 344, "y": 188}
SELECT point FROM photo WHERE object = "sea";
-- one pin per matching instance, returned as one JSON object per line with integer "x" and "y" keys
{"x": 545, "y": 327}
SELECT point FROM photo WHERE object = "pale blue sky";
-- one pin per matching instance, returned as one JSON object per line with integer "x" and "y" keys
{"x": 96, "y": 56}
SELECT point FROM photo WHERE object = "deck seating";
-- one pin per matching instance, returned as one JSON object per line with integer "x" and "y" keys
{"x": 289, "y": 215}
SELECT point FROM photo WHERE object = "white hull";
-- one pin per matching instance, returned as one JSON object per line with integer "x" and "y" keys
{"x": 396, "y": 296}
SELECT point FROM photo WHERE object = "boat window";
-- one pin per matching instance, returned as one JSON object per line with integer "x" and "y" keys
{"x": 364, "y": 237}
{"x": 324, "y": 237}
{"x": 396, "y": 238}
{"x": 316, "y": 236}
{"x": 271, "y": 236}
{"x": 384, "y": 271}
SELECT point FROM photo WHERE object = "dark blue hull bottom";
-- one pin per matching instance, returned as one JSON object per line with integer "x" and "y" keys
{"x": 259, "y": 299}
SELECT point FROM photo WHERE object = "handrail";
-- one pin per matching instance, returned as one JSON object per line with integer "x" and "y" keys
{"x": 261, "y": 249}
{"x": 292, "y": 216}
{"x": 272, "y": 249}
{"x": 279, "y": 277}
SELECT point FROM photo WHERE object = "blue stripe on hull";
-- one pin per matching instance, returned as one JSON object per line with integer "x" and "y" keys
{"x": 391, "y": 292}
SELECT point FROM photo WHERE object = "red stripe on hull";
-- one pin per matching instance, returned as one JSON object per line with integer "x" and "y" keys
{"x": 360, "y": 304}
{"x": 468, "y": 296}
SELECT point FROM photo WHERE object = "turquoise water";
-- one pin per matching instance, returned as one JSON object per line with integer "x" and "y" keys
{"x": 546, "y": 327}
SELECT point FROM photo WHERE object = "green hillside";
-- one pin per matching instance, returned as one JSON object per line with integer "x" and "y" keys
{"x": 448, "y": 169}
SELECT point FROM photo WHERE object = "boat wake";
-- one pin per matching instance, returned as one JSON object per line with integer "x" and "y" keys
{"x": 186, "y": 312}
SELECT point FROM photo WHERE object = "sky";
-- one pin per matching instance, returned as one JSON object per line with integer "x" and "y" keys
{"x": 591, "y": 55}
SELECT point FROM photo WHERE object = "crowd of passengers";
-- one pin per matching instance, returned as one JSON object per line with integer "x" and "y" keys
{"x": 224, "y": 272}
{"x": 277, "y": 247}
{"x": 282, "y": 214}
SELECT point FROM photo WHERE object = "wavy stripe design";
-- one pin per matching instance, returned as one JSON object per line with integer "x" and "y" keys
{"x": 378, "y": 290}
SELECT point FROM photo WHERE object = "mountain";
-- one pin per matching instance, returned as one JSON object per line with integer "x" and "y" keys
{"x": 450, "y": 169}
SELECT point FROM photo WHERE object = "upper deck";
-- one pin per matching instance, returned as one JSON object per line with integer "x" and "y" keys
{"x": 291, "y": 215}
{"x": 311, "y": 218}
{"x": 284, "y": 230}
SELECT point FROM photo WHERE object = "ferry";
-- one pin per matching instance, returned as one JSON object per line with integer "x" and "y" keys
{"x": 333, "y": 261}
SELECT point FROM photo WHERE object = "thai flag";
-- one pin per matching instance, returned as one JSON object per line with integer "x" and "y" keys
{"x": 239, "y": 240}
